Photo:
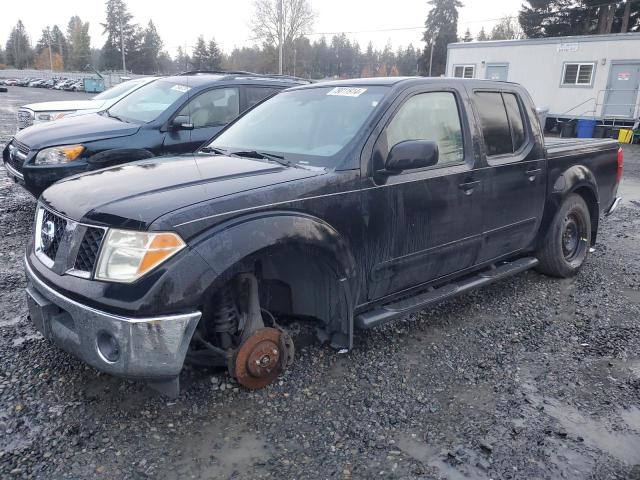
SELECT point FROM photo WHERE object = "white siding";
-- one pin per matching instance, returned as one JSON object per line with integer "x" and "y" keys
{"x": 539, "y": 64}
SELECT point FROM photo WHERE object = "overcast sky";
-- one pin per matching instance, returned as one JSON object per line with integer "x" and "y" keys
{"x": 180, "y": 23}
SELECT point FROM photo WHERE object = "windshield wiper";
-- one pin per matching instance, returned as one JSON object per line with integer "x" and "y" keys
{"x": 266, "y": 156}
{"x": 114, "y": 116}
{"x": 217, "y": 151}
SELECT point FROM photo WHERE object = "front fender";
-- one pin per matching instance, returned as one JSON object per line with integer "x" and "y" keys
{"x": 228, "y": 244}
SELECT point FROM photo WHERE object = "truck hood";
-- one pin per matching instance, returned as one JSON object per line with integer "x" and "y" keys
{"x": 135, "y": 194}
{"x": 65, "y": 131}
{"x": 66, "y": 105}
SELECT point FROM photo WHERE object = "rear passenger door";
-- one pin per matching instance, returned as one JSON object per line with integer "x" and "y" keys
{"x": 514, "y": 181}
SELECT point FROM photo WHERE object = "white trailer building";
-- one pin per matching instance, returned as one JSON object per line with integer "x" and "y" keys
{"x": 580, "y": 77}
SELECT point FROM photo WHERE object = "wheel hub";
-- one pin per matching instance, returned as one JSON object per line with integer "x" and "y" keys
{"x": 261, "y": 358}
{"x": 571, "y": 237}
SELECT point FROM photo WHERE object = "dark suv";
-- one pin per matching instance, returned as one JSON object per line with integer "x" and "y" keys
{"x": 170, "y": 116}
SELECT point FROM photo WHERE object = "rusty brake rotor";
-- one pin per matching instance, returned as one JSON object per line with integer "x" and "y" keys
{"x": 262, "y": 357}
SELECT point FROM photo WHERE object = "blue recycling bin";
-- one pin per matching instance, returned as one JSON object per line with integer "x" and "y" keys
{"x": 586, "y": 128}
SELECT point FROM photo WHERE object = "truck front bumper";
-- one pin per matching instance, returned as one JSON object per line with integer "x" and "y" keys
{"x": 143, "y": 348}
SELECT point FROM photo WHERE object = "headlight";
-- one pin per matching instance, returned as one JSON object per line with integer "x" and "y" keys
{"x": 127, "y": 255}
{"x": 47, "y": 116}
{"x": 55, "y": 155}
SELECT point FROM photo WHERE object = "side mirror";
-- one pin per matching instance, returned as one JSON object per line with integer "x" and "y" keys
{"x": 182, "y": 122}
{"x": 412, "y": 154}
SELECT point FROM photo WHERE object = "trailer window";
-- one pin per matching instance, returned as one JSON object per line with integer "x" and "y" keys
{"x": 577, "y": 73}
{"x": 464, "y": 71}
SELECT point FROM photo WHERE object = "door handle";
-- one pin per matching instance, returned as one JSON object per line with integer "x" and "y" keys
{"x": 468, "y": 187}
{"x": 532, "y": 174}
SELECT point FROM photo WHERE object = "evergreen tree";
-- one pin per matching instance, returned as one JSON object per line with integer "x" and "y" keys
{"x": 200, "y": 55}
{"x": 59, "y": 43}
{"x": 441, "y": 29}
{"x": 182, "y": 61}
{"x": 44, "y": 41}
{"x": 18, "y": 48}
{"x": 151, "y": 50}
{"x": 79, "y": 43}
{"x": 118, "y": 27}
{"x": 214, "y": 56}
{"x": 482, "y": 35}
{"x": 467, "y": 36}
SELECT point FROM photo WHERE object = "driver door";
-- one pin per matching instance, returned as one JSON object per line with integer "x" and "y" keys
{"x": 208, "y": 112}
{"x": 423, "y": 223}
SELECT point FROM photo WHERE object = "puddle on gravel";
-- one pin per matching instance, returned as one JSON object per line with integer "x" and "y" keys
{"x": 629, "y": 190}
{"x": 11, "y": 322}
{"x": 624, "y": 446}
{"x": 221, "y": 453}
{"x": 434, "y": 458}
{"x": 26, "y": 338}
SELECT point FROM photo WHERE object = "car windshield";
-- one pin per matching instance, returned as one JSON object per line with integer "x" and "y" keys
{"x": 148, "y": 102}
{"x": 120, "y": 89}
{"x": 307, "y": 126}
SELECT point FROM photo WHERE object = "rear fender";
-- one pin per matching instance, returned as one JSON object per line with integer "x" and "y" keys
{"x": 578, "y": 179}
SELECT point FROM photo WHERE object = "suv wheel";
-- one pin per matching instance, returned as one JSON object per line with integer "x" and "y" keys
{"x": 567, "y": 241}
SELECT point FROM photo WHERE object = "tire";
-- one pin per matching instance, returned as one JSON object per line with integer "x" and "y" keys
{"x": 567, "y": 241}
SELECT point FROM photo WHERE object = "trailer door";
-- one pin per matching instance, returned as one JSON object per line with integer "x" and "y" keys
{"x": 621, "y": 97}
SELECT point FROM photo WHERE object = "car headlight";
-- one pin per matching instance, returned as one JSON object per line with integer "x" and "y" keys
{"x": 55, "y": 155}
{"x": 127, "y": 255}
{"x": 48, "y": 116}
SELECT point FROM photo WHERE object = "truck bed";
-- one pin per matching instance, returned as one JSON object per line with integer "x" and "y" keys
{"x": 559, "y": 147}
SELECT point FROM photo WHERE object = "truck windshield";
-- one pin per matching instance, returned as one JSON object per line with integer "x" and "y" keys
{"x": 307, "y": 126}
{"x": 148, "y": 102}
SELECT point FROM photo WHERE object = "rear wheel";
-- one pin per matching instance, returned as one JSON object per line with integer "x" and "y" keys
{"x": 566, "y": 243}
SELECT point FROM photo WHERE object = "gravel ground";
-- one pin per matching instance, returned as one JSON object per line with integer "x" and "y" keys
{"x": 530, "y": 378}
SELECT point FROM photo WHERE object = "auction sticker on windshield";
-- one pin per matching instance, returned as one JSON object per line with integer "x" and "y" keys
{"x": 181, "y": 88}
{"x": 347, "y": 91}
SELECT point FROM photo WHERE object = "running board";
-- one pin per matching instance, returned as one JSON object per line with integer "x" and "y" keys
{"x": 394, "y": 310}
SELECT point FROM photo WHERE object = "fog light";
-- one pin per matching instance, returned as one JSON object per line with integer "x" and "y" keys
{"x": 108, "y": 347}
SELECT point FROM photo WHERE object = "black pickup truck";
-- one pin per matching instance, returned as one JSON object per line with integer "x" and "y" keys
{"x": 351, "y": 203}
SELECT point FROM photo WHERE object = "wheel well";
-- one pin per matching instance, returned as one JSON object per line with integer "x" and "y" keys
{"x": 295, "y": 281}
{"x": 591, "y": 200}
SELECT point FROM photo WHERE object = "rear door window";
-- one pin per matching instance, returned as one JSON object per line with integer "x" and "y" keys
{"x": 256, "y": 94}
{"x": 501, "y": 121}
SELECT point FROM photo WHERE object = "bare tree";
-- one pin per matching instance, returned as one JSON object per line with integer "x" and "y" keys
{"x": 507, "y": 29}
{"x": 281, "y": 22}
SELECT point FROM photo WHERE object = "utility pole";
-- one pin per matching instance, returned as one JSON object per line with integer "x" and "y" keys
{"x": 124, "y": 65}
{"x": 433, "y": 41}
{"x": 50, "y": 55}
{"x": 280, "y": 34}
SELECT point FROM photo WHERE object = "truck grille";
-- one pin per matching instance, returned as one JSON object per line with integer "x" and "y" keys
{"x": 25, "y": 119}
{"x": 17, "y": 155}
{"x": 66, "y": 246}
{"x": 89, "y": 248}
{"x": 51, "y": 232}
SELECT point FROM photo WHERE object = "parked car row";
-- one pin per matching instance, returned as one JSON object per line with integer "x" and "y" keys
{"x": 351, "y": 203}
{"x": 68, "y": 84}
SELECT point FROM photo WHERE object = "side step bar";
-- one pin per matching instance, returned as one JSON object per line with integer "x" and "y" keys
{"x": 394, "y": 310}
